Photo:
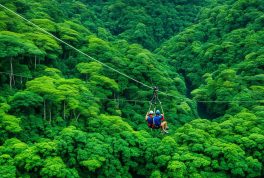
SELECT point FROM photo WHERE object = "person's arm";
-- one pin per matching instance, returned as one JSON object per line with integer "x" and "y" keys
{"x": 162, "y": 117}
{"x": 146, "y": 118}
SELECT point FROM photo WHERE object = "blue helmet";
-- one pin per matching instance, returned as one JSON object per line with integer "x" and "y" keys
{"x": 158, "y": 112}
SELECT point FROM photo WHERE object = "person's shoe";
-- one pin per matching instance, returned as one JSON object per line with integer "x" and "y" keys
{"x": 166, "y": 132}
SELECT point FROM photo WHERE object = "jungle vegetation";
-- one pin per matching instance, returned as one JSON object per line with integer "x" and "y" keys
{"x": 65, "y": 115}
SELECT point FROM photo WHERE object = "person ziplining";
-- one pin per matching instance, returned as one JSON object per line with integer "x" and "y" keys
{"x": 157, "y": 121}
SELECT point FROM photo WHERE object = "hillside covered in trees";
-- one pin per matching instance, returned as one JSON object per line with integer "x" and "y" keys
{"x": 63, "y": 114}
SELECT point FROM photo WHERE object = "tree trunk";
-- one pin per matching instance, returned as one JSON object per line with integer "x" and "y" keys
{"x": 13, "y": 76}
{"x": 11, "y": 73}
{"x": 44, "y": 111}
{"x": 77, "y": 117}
{"x": 14, "y": 82}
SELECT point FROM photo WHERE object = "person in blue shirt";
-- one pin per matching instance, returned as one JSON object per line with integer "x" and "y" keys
{"x": 159, "y": 122}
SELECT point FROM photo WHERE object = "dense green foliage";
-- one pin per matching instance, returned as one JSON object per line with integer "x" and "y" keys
{"x": 64, "y": 115}
{"x": 228, "y": 51}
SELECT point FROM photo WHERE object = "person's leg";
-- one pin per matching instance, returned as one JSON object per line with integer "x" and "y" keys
{"x": 163, "y": 126}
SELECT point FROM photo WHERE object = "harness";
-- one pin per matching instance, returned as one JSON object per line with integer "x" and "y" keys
{"x": 154, "y": 100}
{"x": 153, "y": 104}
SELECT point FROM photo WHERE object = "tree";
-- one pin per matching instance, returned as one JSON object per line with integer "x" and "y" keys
{"x": 91, "y": 68}
{"x": 25, "y": 99}
{"x": 9, "y": 124}
{"x": 54, "y": 166}
{"x": 48, "y": 46}
{"x": 12, "y": 46}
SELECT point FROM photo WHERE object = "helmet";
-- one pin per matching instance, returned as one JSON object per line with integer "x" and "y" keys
{"x": 151, "y": 112}
{"x": 157, "y": 112}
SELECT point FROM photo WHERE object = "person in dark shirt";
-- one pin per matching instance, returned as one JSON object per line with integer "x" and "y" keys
{"x": 149, "y": 119}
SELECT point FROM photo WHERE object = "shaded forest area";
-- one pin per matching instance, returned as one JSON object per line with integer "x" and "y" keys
{"x": 65, "y": 115}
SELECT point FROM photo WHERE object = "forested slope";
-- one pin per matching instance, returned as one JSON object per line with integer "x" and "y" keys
{"x": 226, "y": 48}
{"x": 65, "y": 115}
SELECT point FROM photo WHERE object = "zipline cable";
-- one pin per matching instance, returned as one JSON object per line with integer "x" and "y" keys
{"x": 117, "y": 71}
{"x": 145, "y": 101}
{"x": 15, "y": 74}
{"x": 58, "y": 39}
{"x": 234, "y": 101}
{"x": 113, "y": 99}
{"x": 90, "y": 57}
